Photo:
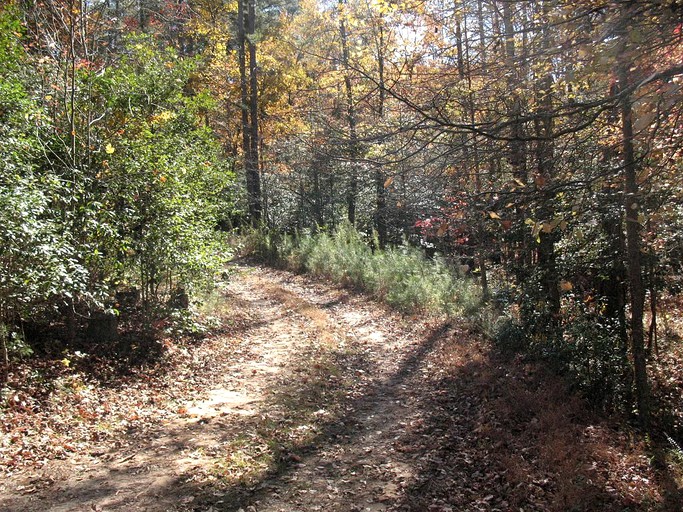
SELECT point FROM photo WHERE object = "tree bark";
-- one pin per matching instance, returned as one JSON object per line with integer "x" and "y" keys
{"x": 352, "y": 191}
{"x": 545, "y": 155}
{"x": 253, "y": 168}
{"x": 632, "y": 208}
{"x": 249, "y": 106}
{"x": 244, "y": 92}
{"x": 633, "y": 241}
{"x": 380, "y": 177}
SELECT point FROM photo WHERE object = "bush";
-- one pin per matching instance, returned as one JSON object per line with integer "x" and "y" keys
{"x": 595, "y": 358}
{"x": 509, "y": 335}
{"x": 162, "y": 173}
{"x": 39, "y": 261}
{"x": 587, "y": 349}
{"x": 132, "y": 200}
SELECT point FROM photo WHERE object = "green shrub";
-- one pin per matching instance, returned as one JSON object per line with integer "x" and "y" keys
{"x": 509, "y": 335}
{"x": 400, "y": 276}
{"x": 595, "y": 358}
{"x": 587, "y": 348}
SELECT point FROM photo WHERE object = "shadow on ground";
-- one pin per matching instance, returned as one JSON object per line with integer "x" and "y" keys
{"x": 508, "y": 435}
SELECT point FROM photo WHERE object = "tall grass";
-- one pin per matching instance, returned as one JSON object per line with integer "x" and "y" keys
{"x": 401, "y": 276}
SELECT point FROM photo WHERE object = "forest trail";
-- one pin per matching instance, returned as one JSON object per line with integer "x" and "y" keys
{"x": 316, "y": 399}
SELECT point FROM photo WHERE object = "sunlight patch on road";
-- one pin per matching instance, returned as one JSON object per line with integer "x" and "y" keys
{"x": 223, "y": 401}
{"x": 320, "y": 320}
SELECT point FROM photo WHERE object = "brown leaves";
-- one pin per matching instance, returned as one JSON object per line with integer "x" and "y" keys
{"x": 386, "y": 416}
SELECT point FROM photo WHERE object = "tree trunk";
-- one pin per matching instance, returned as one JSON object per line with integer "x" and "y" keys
{"x": 380, "y": 207}
{"x": 633, "y": 243}
{"x": 244, "y": 96}
{"x": 352, "y": 191}
{"x": 517, "y": 150}
{"x": 516, "y": 147}
{"x": 458, "y": 42}
{"x": 253, "y": 168}
{"x": 380, "y": 178}
{"x": 249, "y": 106}
{"x": 482, "y": 36}
{"x": 545, "y": 155}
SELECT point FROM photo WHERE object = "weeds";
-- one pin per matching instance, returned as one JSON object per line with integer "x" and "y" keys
{"x": 401, "y": 276}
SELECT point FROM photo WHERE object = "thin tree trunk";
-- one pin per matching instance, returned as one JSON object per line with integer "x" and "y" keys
{"x": 317, "y": 199}
{"x": 652, "y": 331}
{"x": 253, "y": 168}
{"x": 482, "y": 36}
{"x": 380, "y": 207}
{"x": 352, "y": 191}
{"x": 249, "y": 106}
{"x": 633, "y": 244}
{"x": 545, "y": 154}
{"x": 458, "y": 42}
{"x": 244, "y": 97}
{"x": 480, "y": 254}
{"x": 380, "y": 178}
{"x": 516, "y": 147}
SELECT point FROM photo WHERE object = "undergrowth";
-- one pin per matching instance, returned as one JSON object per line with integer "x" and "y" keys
{"x": 399, "y": 276}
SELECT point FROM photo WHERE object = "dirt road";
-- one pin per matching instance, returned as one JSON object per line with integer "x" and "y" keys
{"x": 316, "y": 399}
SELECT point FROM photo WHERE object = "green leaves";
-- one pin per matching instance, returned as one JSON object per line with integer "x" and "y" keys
{"x": 132, "y": 196}
{"x": 165, "y": 175}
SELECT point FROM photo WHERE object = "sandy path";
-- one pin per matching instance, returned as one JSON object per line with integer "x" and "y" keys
{"x": 353, "y": 461}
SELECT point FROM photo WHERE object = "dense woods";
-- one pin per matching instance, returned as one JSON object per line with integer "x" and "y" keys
{"x": 534, "y": 145}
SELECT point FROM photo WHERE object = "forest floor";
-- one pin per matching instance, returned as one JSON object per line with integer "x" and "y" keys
{"x": 308, "y": 397}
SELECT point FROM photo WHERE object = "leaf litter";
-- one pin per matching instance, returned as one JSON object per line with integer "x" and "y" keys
{"x": 308, "y": 397}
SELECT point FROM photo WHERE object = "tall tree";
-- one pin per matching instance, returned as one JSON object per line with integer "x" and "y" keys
{"x": 351, "y": 116}
{"x": 246, "y": 33}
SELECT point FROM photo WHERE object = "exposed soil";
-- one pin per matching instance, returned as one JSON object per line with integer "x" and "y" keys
{"x": 310, "y": 398}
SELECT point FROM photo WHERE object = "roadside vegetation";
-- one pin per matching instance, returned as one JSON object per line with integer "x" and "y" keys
{"x": 588, "y": 354}
{"x": 512, "y": 166}
{"x": 400, "y": 276}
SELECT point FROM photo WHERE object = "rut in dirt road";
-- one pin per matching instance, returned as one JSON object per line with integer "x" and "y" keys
{"x": 294, "y": 406}
{"x": 408, "y": 415}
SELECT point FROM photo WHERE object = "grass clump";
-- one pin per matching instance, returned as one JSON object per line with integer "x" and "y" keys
{"x": 400, "y": 276}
